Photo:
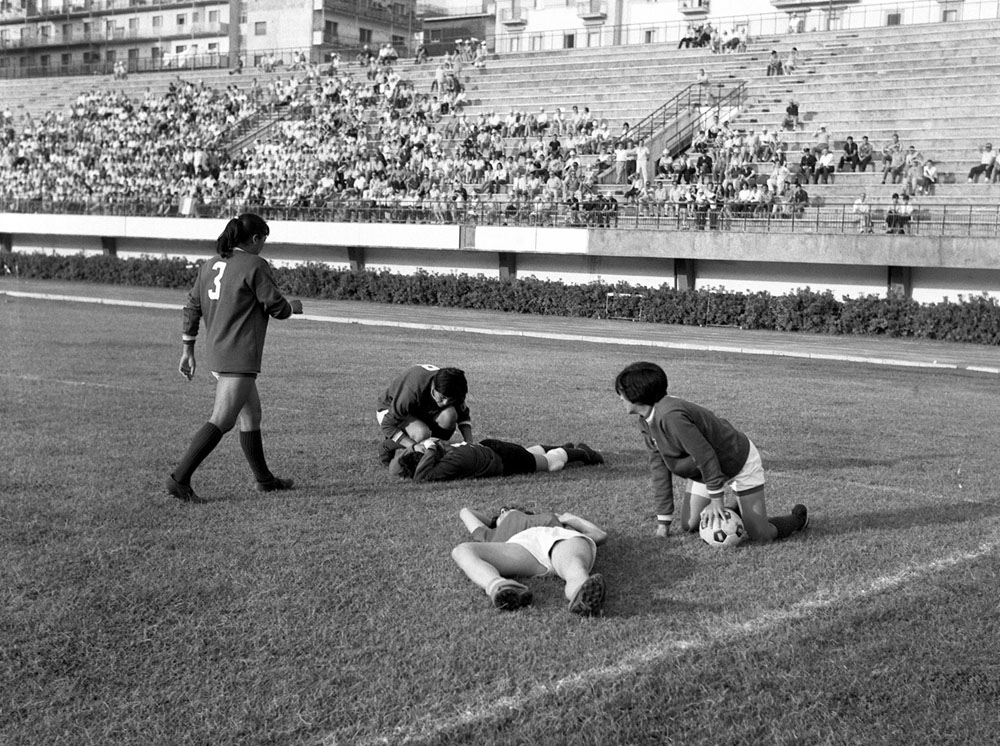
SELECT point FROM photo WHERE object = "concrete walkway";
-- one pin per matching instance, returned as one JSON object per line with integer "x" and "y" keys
{"x": 867, "y": 350}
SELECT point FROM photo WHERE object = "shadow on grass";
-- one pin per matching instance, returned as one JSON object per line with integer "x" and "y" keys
{"x": 849, "y": 462}
{"x": 902, "y": 520}
{"x": 641, "y": 573}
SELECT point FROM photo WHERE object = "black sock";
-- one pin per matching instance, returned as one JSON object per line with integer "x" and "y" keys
{"x": 786, "y": 525}
{"x": 576, "y": 455}
{"x": 253, "y": 449}
{"x": 203, "y": 443}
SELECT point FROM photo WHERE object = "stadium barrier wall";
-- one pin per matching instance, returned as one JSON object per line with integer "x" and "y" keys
{"x": 927, "y": 268}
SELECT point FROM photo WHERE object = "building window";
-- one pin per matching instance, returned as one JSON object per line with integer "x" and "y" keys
{"x": 397, "y": 41}
{"x": 44, "y": 61}
{"x": 365, "y": 35}
{"x": 213, "y": 16}
{"x": 181, "y": 20}
{"x": 67, "y": 31}
{"x": 157, "y": 21}
{"x": 133, "y": 24}
{"x": 331, "y": 29}
{"x": 569, "y": 41}
{"x": 260, "y": 28}
{"x": 649, "y": 36}
{"x": 66, "y": 60}
{"x": 894, "y": 19}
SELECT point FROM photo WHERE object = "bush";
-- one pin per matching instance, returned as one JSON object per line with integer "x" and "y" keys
{"x": 975, "y": 320}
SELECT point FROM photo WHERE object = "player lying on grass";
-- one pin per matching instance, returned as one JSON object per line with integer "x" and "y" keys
{"x": 519, "y": 543}
{"x": 692, "y": 442}
{"x": 423, "y": 402}
{"x": 441, "y": 461}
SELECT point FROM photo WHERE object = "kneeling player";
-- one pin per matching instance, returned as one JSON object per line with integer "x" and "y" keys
{"x": 423, "y": 402}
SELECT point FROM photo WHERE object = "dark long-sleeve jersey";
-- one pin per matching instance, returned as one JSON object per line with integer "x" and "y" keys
{"x": 460, "y": 461}
{"x": 236, "y": 296}
{"x": 409, "y": 395}
{"x": 692, "y": 442}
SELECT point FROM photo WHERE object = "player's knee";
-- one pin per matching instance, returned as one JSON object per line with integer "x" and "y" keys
{"x": 418, "y": 431}
{"x": 447, "y": 419}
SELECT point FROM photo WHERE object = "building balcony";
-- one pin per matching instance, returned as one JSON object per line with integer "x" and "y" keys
{"x": 104, "y": 36}
{"x": 592, "y": 11}
{"x": 694, "y": 8}
{"x": 514, "y": 17}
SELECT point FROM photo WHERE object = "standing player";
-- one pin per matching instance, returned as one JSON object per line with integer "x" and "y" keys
{"x": 423, "y": 402}
{"x": 236, "y": 295}
{"x": 692, "y": 442}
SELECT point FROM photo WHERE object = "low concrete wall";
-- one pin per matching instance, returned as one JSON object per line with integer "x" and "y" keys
{"x": 927, "y": 268}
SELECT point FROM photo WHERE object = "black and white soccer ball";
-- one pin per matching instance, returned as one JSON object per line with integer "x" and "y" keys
{"x": 729, "y": 532}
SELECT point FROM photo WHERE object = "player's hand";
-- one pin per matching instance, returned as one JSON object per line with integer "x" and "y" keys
{"x": 187, "y": 365}
{"x": 296, "y": 305}
{"x": 714, "y": 513}
{"x": 662, "y": 530}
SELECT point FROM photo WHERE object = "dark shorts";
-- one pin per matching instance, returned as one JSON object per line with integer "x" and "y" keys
{"x": 516, "y": 459}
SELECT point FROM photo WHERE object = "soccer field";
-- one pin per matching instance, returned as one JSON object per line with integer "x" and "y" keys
{"x": 333, "y": 614}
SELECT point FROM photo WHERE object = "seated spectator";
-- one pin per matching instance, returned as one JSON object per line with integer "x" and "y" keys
{"x": 930, "y": 177}
{"x": 865, "y": 154}
{"x": 862, "y": 213}
{"x": 849, "y": 157}
{"x": 894, "y": 216}
{"x": 807, "y": 165}
{"x": 986, "y": 165}
{"x": 792, "y": 61}
{"x": 913, "y": 171}
{"x": 774, "y": 64}
{"x": 800, "y": 200}
{"x": 889, "y": 156}
{"x": 824, "y": 167}
{"x": 791, "y": 120}
{"x": 690, "y": 38}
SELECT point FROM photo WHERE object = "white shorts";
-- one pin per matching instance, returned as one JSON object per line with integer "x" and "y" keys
{"x": 750, "y": 476}
{"x": 540, "y": 540}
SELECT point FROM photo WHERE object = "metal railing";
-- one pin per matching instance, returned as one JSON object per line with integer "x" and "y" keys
{"x": 954, "y": 221}
{"x": 691, "y": 110}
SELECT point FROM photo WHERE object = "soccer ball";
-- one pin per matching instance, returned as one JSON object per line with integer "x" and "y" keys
{"x": 727, "y": 533}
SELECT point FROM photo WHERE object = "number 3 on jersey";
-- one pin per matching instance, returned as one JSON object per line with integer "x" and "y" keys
{"x": 215, "y": 291}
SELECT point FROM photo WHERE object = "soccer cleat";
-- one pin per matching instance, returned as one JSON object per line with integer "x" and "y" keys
{"x": 274, "y": 483}
{"x": 508, "y": 595}
{"x": 593, "y": 457}
{"x": 800, "y": 511}
{"x": 183, "y": 491}
{"x": 589, "y": 598}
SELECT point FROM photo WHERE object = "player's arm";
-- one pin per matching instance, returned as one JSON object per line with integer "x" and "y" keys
{"x": 585, "y": 527}
{"x": 663, "y": 488}
{"x": 267, "y": 292}
{"x": 189, "y": 333}
{"x": 706, "y": 460}
{"x": 472, "y": 519}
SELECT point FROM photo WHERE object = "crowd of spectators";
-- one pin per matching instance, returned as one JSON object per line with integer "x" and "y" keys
{"x": 371, "y": 145}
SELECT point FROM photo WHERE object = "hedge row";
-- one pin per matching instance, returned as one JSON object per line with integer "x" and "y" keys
{"x": 975, "y": 320}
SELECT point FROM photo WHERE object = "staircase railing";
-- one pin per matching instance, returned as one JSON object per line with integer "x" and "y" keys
{"x": 673, "y": 125}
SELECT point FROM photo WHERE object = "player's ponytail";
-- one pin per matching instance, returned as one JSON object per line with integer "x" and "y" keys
{"x": 238, "y": 231}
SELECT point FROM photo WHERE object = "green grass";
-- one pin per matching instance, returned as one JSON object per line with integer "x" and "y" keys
{"x": 334, "y": 615}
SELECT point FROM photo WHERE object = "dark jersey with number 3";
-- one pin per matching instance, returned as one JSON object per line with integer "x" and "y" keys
{"x": 236, "y": 296}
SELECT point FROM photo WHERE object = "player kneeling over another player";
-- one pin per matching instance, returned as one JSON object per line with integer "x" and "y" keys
{"x": 423, "y": 402}
{"x": 519, "y": 543}
{"x": 440, "y": 461}
{"x": 692, "y": 442}
{"x": 236, "y": 296}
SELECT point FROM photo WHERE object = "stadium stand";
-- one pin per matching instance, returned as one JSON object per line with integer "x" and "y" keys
{"x": 300, "y": 139}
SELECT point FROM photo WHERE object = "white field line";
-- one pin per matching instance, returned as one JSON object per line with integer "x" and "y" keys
{"x": 701, "y": 347}
{"x": 428, "y": 729}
